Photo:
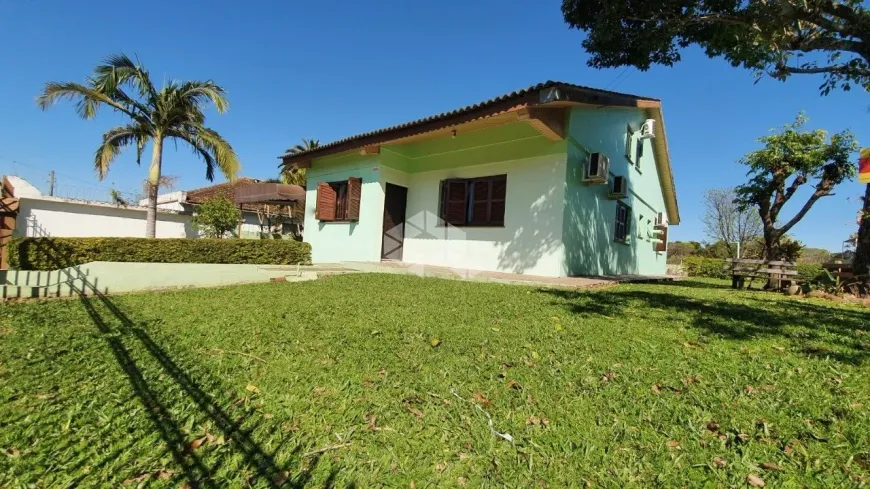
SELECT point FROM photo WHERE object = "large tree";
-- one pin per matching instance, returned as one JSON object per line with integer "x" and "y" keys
{"x": 173, "y": 113}
{"x": 788, "y": 160}
{"x": 779, "y": 38}
{"x": 725, "y": 220}
{"x": 776, "y": 38}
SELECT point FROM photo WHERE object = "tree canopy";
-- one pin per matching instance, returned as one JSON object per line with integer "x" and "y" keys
{"x": 788, "y": 160}
{"x": 175, "y": 112}
{"x": 778, "y": 38}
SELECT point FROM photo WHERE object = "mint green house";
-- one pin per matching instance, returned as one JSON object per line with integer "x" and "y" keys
{"x": 552, "y": 180}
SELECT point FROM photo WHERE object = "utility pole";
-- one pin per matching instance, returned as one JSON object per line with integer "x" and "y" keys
{"x": 51, "y": 183}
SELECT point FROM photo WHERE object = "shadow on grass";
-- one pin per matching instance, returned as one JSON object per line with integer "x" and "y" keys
{"x": 263, "y": 466}
{"x": 694, "y": 284}
{"x": 802, "y": 322}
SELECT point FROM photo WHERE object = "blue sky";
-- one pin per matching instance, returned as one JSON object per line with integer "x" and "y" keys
{"x": 330, "y": 69}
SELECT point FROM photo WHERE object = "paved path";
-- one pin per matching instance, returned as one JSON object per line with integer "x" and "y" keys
{"x": 481, "y": 276}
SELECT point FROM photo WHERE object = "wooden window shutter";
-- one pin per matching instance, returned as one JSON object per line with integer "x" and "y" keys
{"x": 354, "y": 195}
{"x": 662, "y": 245}
{"x": 325, "y": 210}
{"x": 456, "y": 202}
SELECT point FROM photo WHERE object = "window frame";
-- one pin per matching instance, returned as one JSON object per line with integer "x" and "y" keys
{"x": 638, "y": 151}
{"x": 629, "y": 144}
{"x": 625, "y": 225}
{"x": 470, "y": 186}
{"x": 342, "y": 200}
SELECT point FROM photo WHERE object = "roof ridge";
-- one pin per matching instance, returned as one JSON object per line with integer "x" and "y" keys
{"x": 465, "y": 109}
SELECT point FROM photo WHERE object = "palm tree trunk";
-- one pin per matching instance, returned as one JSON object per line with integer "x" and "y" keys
{"x": 153, "y": 187}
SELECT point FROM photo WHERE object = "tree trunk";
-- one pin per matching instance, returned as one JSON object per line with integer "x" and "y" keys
{"x": 153, "y": 187}
{"x": 770, "y": 247}
{"x": 862, "y": 248}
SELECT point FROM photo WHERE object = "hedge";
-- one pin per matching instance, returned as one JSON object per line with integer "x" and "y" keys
{"x": 696, "y": 266}
{"x": 54, "y": 253}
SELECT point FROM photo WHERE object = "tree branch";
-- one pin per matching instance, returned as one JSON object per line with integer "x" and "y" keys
{"x": 783, "y": 197}
{"x": 838, "y": 69}
{"x": 818, "y": 194}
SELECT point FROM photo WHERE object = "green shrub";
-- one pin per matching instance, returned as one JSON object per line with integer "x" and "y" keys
{"x": 54, "y": 253}
{"x": 810, "y": 272}
{"x": 697, "y": 266}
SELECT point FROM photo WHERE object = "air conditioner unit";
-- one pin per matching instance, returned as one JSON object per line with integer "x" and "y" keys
{"x": 597, "y": 167}
{"x": 618, "y": 188}
{"x": 647, "y": 131}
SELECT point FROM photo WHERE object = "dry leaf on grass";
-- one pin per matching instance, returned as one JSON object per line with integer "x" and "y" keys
{"x": 197, "y": 443}
{"x": 441, "y": 467}
{"x": 674, "y": 444}
{"x": 770, "y": 466}
{"x": 656, "y": 389}
{"x": 754, "y": 480}
{"x": 434, "y": 342}
{"x": 713, "y": 426}
{"x": 481, "y": 399}
{"x": 719, "y": 463}
{"x": 690, "y": 380}
{"x": 252, "y": 388}
{"x": 280, "y": 478}
{"x": 513, "y": 384}
{"x": 416, "y": 412}
{"x": 11, "y": 452}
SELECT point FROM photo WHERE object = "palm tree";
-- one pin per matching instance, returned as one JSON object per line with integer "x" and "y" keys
{"x": 293, "y": 174}
{"x": 173, "y": 113}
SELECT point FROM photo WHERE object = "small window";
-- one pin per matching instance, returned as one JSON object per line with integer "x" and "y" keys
{"x": 339, "y": 201}
{"x": 623, "y": 222}
{"x": 638, "y": 151}
{"x": 629, "y": 144}
{"x": 473, "y": 201}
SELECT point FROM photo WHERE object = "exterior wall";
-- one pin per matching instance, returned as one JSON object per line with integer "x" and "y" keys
{"x": 346, "y": 241}
{"x": 555, "y": 225}
{"x": 39, "y": 217}
{"x": 589, "y": 217}
{"x": 531, "y": 239}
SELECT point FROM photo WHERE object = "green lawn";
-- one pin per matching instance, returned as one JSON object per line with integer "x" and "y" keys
{"x": 349, "y": 381}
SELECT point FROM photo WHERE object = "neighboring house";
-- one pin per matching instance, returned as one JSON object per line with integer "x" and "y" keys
{"x": 256, "y": 218}
{"x": 519, "y": 183}
{"x": 44, "y": 215}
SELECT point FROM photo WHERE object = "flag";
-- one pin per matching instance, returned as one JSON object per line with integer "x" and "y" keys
{"x": 864, "y": 166}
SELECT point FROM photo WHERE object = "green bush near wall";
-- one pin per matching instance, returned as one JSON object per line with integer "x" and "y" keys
{"x": 696, "y": 266}
{"x": 54, "y": 253}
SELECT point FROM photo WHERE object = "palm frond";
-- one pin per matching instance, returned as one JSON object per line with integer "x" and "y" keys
{"x": 214, "y": 150}
{"x": 88, "y": 99}
{"x": 118, "y": 69}
{"x": 114, "y": 141}
{"x": 306, "y": 145}
{"x": 199, "y": 92}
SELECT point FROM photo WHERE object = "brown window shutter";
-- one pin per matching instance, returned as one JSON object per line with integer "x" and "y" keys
{"x": 354, "y": 191}
{"x": 456, "y": 202}
{"x": 663, "y": 245}
{"x": 325, "y": 210}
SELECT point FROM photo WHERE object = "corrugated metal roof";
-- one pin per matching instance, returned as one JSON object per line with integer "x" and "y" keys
{"x": 463, "y": 110}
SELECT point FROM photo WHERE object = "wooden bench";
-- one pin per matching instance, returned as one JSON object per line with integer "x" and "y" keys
{"x": 842, "y": 270}
{"x": 780, "y": 273}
